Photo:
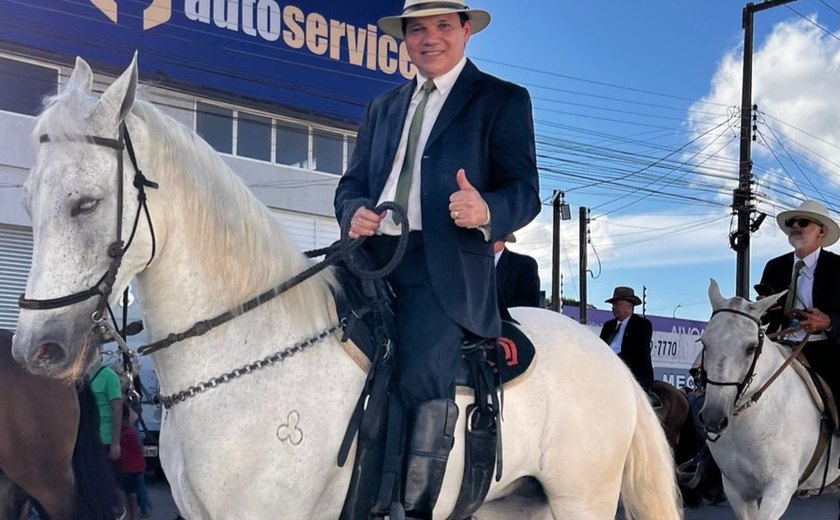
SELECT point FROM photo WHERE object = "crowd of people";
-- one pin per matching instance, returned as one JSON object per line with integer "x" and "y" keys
{"x": 119, "y": 431}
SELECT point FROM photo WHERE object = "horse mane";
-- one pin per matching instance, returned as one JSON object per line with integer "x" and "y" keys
{"x": 227, "y": 214}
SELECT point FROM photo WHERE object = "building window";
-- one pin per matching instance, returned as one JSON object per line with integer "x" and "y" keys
{"x": 292, "y": 144}
{"x": 215, "y": 125}
{"x": 268, "y": 139}
{"x": 23, "y": 86}
{"x": 351, "y": 145}
{"x": 328, "y": 152}
{"x": 253, "y": 137}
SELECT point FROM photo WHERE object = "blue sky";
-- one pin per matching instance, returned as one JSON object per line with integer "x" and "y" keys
{"x": 635, "y": 106}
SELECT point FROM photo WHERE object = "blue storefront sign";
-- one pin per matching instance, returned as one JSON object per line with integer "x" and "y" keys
{"x": 318, "y": 57}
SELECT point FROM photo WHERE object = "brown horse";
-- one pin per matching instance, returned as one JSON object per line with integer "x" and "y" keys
{"x": 49, "y": 446}
{"x": 673, "y": 410}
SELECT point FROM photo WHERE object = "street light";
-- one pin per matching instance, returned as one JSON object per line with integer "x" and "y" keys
{"x": 674, "y": 314}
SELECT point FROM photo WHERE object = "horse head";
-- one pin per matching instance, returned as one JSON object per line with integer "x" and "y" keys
{"x": 80, "y": 199}
{"x": 732, "y": 343}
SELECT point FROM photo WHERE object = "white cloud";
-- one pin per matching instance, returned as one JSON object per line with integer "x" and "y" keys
{"x": 796, "y": 77}
{"x": 796, "y": 81}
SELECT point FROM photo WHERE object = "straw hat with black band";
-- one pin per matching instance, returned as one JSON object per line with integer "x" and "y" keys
{"x": 393, "y": 25}
{"x": 815, "y": 212}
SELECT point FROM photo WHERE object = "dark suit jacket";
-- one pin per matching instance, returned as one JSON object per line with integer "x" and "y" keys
{"x": 517, "y": 281}
{"x": 635, "y": 347}
{"x": 826, "y": 295}
{"x": 485, "y": 127}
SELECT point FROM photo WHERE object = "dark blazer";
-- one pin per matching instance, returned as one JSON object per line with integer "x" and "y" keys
{"x": 485, "y": 127}
{"x": 517, "y": 281}
{"x": 826, "y": 295}
{"x": 635, "y": 346}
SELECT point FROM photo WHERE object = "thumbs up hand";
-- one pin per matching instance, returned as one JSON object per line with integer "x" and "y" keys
{"x": 466, "y": 206}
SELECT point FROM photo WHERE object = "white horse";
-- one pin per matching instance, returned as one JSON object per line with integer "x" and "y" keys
{"x": 764, "y": 450}
{"x": 264, "y": 445}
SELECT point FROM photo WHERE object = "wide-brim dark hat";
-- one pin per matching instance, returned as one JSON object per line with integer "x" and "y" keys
{"x": 392, "y": 25}
{"x": 812, "y": 211}
{"x": 626, "y": 294}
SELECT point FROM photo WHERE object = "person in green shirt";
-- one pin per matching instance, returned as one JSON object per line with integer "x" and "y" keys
{"x": 107, "y": 390}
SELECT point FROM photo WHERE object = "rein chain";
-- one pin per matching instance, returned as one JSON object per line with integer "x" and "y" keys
{"x": 168, "y": 401}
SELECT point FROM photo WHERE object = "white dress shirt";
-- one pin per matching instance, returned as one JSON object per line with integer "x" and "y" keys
{"x": 805, "y": 291}
{"x": 615, "y": 344}
{"x": 443, "y": 86}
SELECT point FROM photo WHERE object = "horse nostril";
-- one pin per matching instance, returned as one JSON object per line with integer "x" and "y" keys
{"x": 50, "y": 352}
{"x": 702, "y": 419}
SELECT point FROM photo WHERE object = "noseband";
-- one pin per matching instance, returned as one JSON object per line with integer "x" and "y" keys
{"x": 116, "y": 250}
{"x": 741, "y": 386}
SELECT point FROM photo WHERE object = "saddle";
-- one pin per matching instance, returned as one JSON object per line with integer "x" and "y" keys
{"x": 487, "y": 368}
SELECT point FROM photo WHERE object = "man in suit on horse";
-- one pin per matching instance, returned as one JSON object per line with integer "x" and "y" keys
{"x": 455, "y": 148}
{"x": 812, "y": 276}
{"x": 629, "y": 334}
{"x": 517, "y": 278}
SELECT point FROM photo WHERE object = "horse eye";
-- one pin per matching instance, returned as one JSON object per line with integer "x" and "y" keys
{"x": 751, "y": 349}
{"x": 85, "y": 205}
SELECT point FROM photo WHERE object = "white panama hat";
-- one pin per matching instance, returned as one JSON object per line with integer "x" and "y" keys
{"x": 392, "y": 25}
{"x": 815, "y": 211}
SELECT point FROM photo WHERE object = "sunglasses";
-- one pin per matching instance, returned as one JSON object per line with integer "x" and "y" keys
{"x": 801, "y": 222}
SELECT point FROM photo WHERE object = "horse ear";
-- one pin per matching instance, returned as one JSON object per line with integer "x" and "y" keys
{"x": 81, "y": 78}
{"x": 760, "y": 307}
{"x": 717, "y": 301}
{"x": 117, "y": 100}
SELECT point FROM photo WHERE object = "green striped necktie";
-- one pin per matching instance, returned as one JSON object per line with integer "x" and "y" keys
{"x": 404, "y": 180}
{"x": 791, "y": 295}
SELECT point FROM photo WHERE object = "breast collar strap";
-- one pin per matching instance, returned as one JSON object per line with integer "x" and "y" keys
{"x": 116, "y": 250}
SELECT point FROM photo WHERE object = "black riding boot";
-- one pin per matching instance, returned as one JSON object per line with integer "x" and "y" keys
{"x": 430, "y": 439}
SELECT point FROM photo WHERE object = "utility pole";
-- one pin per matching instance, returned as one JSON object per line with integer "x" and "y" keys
{"x": 555, "y": 253}
{"x": 742, "y": 200}
{"x": 560, "y": 211}
{"x": 583, "y": 221}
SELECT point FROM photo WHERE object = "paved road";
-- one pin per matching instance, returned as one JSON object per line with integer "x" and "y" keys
{"x": 816, "y": 508}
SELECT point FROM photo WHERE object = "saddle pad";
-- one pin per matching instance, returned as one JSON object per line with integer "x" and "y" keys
{"x": 512, "y": 360}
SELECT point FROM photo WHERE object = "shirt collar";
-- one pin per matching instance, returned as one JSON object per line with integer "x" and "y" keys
{"x": 444, "y": 82}
{"x": 810, "y": 260}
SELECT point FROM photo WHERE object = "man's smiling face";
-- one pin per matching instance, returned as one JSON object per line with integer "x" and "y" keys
{"x": 436, "y": 43}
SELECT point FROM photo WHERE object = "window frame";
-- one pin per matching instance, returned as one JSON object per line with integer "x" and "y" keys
{"x": 276, "y": 121}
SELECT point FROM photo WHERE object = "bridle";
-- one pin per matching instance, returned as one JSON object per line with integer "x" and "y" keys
{"x": 116, "y": 250}
{"x": 741, "y": 386}
{"x": 104, "y": 286}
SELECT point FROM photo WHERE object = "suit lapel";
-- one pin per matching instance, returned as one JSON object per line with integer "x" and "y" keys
{"x": 817, "y": 295}
{"x": 395, "y": 121}
{"x": 461, "y": 93}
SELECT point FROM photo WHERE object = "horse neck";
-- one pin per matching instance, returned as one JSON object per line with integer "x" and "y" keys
{"x": 769, "y": 362}
{"x": 217, "y": 246}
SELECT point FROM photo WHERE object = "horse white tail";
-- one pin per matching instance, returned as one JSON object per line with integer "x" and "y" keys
{"x": 649, "y": 488}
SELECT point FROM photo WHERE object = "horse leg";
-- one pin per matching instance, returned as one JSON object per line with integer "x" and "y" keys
{"x": 775, "y": 501}
{"x": 745, "y": 509}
